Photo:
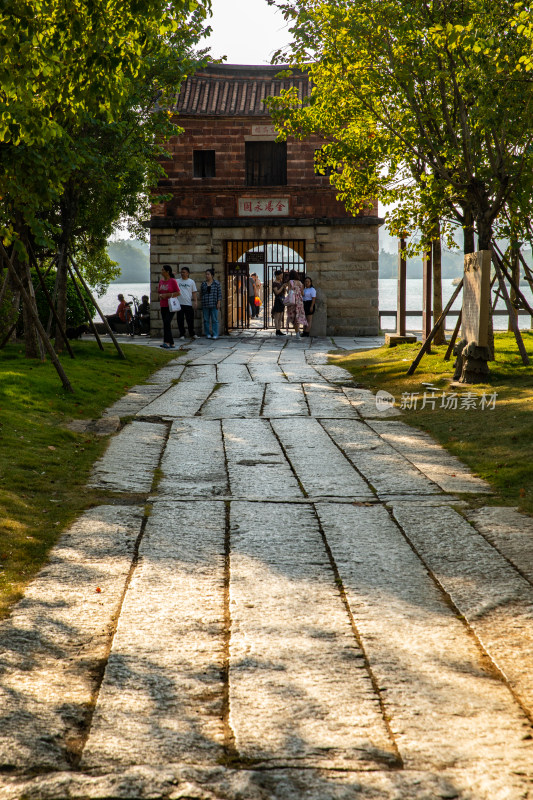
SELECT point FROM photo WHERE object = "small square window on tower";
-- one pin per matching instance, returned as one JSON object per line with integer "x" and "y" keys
{"x": 204, "y": 163}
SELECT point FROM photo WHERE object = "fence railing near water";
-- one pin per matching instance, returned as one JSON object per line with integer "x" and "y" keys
{"x": 499, "y": 312}
{"x": 426, "y": 313}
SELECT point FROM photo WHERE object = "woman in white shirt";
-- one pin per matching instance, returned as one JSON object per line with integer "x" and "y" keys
{"x": 309, "y": 298}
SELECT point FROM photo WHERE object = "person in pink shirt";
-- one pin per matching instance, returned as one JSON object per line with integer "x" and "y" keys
{"x": 168, "y": 287}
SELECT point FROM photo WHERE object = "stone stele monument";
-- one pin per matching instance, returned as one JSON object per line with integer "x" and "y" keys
{"x": 473, "y": 351}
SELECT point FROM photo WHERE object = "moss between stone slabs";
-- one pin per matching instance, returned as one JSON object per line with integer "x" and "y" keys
{"x": 44, "y": 466}
{"x": 496, "y": 444}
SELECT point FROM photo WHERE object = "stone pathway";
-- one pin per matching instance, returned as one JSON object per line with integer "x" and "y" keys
{"x": 289, "y": 597}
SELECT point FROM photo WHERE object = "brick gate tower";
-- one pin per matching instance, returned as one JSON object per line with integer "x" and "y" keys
{"x": 242, "y": 202}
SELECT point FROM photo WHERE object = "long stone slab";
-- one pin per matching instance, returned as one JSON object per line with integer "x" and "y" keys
{"x": 231, "y": 400}
{"x": 200, "y": 372}
{"x": 182, "y": 782}
{"x": 165, "y": 376}
{"x": 161, "y": 699}
{"x": 121, "y": 468}
{"x": 300, "y": 372}
{"x": 389, "y": 473}
{"x": 366, "y": 404}
{"x": 446, "y": 707}
{"x": 299, "y": 691}
{"x": 328, "y": 401}
{"x": 256, "y": 464}
{"x": 508, "y": 530}
{"x": 266, "y": 372}
{"x": 285, "y": 399}
{"x": 233, "y": 373}
{"x": 430, "y": 458}
{"x": 193, "y": 463}
{"x": 334, "y": 374}
{"x": 183, "y": 400}
{"x": 495, "y": 599}
{"x": 320, "y": 466}
{"x": 56, "y": 637}
{"x": 137, "y": 398}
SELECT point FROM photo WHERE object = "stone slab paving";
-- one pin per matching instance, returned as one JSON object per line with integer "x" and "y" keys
{"x": 429, "y": 457}
{"x": 294, "y": 662}
{"x": 302, "y": 611}
{"x": 494, "y": 598}
{"x": 334, "y": 374}
{"x": 321, "y": 467}
{"x": 193, "y": 464}
{"x": 365, "y": 402}
{"x": 171, "y": 372}
{"x": 442, "y": 699}
{"x": 510, "y": 532}
{"x": 200, "y": 373}
{"x": 162, "y": 694}
{"x": 328, "y": 401}
{"x": 136, "y": 399}
{"x": 121, "y": 468}
{"x": 56, "y": 638}
{"x": 287, "y": 399}
{"x": 225, "y": 402}
{"x": 268, "y": 372}
{"x": 256, "y": 464}
{"x": 385, "y": 469}
{"x": 233, "y": 373}
{"x": 183, "y": 400}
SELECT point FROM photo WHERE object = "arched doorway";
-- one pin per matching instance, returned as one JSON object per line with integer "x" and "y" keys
{"x": 263, "y": 257}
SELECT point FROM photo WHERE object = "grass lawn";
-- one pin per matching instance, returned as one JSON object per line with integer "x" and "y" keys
{"x": 497, "y": 444}
{"x": 44, "y": 466}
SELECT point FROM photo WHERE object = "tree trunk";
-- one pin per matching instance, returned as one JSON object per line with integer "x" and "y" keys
{"x": 468, "y": 232}
{"x": 31, "y": 344}
{"x": 68, "y": 216}
{"x": 61, "y": 294}
{"x": 440, "y": 336}
{"x": 515, "y": 274}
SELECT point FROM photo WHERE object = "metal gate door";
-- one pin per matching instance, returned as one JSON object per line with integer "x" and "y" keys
{"x": 264, "y": 257}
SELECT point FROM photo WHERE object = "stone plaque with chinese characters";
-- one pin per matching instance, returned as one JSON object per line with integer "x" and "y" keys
{"x": 263, "y": 130}
{"x": 476, "y": 298}
{"x": 263, "y": 207}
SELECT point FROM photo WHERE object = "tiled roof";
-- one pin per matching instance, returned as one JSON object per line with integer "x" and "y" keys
{"x": 234, "y": 90}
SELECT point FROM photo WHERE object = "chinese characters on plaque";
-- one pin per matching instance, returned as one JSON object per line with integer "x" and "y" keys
{"x": 263, "y": 207}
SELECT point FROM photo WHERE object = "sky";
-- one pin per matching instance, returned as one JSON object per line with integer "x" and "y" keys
{"x": 246, "y": 31}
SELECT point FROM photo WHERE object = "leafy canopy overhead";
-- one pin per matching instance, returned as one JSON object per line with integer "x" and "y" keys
{"x": 83, "y": 85}
{"x": 423, "y": 104}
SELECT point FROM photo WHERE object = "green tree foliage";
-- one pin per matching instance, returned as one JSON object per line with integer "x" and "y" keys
{"x": 84, "y": 88}
{"x": 423, "y": 103}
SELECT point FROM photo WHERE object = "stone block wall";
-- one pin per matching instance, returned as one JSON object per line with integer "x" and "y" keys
{"x": 341, "y": 259}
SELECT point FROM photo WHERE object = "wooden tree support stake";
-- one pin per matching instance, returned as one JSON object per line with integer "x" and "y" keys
{"x": 427, "y": 344}
{"x": 512, "y": 317}
{"x": 102, "y": 317}
{"x": 455, "y": 334}
{"x": 84, "y": 304}
{"x": 34, "y": 315}
{"x": 50, "y": 302}
{"x": 497, "y": 257}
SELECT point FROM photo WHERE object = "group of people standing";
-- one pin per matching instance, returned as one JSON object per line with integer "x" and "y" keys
{"x": 290, "y": 297}
{"x": 295, "y": 299}
{"x": 186, "y": 292}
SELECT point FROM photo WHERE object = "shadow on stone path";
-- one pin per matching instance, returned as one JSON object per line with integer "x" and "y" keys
{"x": 293, "y": 603}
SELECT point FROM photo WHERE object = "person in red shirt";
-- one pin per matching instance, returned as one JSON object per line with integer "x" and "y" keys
{"x": 168, "y": 287}
{"x": 123, "y": 313}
